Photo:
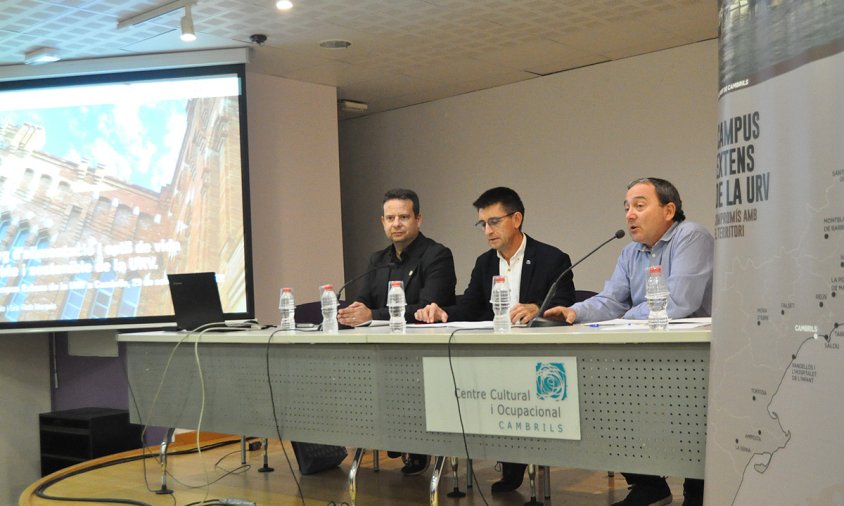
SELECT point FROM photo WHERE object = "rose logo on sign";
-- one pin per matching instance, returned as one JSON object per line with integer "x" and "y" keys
{"x": 550, "y": 381}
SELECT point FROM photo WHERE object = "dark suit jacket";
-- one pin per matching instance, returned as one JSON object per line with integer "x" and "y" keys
{"x": 541, "y": 266}
{"x": 427, "y": 269}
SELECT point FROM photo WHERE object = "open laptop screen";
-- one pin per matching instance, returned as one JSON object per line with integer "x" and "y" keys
{"x": 196, "y": 299}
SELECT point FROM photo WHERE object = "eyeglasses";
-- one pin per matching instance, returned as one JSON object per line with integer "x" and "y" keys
{"x": 492, "y": 222}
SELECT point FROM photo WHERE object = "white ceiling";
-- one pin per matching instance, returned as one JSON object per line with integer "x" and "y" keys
{"x": 403, "y": 52}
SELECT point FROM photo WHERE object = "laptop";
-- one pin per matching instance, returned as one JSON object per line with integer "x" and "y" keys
{"x": 196, "y": 299}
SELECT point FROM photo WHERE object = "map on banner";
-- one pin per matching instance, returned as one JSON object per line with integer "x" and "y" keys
{"x": 776, "y": 395}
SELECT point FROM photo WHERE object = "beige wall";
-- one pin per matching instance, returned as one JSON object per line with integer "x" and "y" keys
{"x": 295, "y": 190}
{"x": 568, "y": 143}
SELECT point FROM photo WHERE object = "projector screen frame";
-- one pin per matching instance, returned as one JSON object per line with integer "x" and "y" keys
{"x": 141, "y": 76}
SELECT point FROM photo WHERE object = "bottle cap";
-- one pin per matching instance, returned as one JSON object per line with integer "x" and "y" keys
{"x": 327, "y": 287}
{"x": 287, "y": 290}
{"x": 655, "y": 269}
{"x": 500, "y": 279}
{"x": 395, "y": 283}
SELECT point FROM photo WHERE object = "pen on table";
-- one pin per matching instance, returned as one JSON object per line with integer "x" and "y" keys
{"x": 594, "y": 325}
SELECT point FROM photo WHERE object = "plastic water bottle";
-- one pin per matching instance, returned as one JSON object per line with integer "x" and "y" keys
{"x": 328, "y": 302}
{"x": 500, "y": 304}
{"x": 396, "y": 304}
{"x": 657, "y": 297}
{"x": 287, "y": 308}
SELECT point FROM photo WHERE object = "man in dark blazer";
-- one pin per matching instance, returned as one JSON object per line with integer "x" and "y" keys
{"x": 531, "y": 268}
{"x": 425, "y": 266}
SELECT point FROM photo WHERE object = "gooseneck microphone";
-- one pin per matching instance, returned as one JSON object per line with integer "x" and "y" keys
{"x": 370, "y": 271}
{"x": 538, "y": 320}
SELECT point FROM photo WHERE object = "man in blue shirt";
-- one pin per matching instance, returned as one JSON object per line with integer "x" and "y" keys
{"x": 684, "y": 249}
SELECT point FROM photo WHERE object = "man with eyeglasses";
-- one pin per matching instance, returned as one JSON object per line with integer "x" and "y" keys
{"x": 531, "y": 268}
{"x": 425, "y": 266}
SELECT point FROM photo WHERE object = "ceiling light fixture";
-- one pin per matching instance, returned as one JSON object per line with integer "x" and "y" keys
{"x": 352, "y": 106}
{"x": 187, "y": 20}
{"x": 284, "y": 5}
{"x": 41, "y": 55}
{"x": 188, "y": 33}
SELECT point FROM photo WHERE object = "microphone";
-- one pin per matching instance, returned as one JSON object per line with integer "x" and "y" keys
{"x": 370, "y": 271}
{"x": 538, "y": 320}
{"x": 349, "y": 282}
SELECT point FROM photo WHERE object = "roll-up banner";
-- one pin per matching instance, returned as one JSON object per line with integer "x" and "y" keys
{"x": 776, "y": 398}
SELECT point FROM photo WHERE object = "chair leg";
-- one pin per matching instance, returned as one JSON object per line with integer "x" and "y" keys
{"x": 353, "y": 474}
{"x": 376, "y": 461}
{"x": 266, "y": 467}
{"x": 165, "y": 444}
{"x": 532, "y": 480}
{"x": 439, "y": 463}
{"x": 455, "y": 492}
{"x": 470, "y": 475}
{"x": 546, "y": 482}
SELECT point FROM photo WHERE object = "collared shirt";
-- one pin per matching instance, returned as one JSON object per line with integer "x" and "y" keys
{"x": 513, "y": 270}
{"x": 685, "y": 253}
{"x": 542, "y": 265}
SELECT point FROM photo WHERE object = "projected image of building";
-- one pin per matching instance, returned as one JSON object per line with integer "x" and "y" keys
{"x": 77, "y": 242}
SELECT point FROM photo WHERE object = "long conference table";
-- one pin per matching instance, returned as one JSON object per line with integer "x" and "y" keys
{"x": 642, "y": 395}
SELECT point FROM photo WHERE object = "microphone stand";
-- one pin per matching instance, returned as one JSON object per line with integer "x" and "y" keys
{"x": 539, "y": 320}
{"x": 349, "y": 282}
{"x": 370, "y": 271}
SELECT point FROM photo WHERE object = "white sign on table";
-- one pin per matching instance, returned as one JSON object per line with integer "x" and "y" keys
{"x": 503, "y": 396}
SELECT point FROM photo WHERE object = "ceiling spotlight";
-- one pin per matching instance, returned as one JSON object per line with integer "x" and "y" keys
{"x": 41, "y": 55}
{"x": 188, "y": 33}
{"x": 284, "y": 5}
{"x": 154, "y": 13}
